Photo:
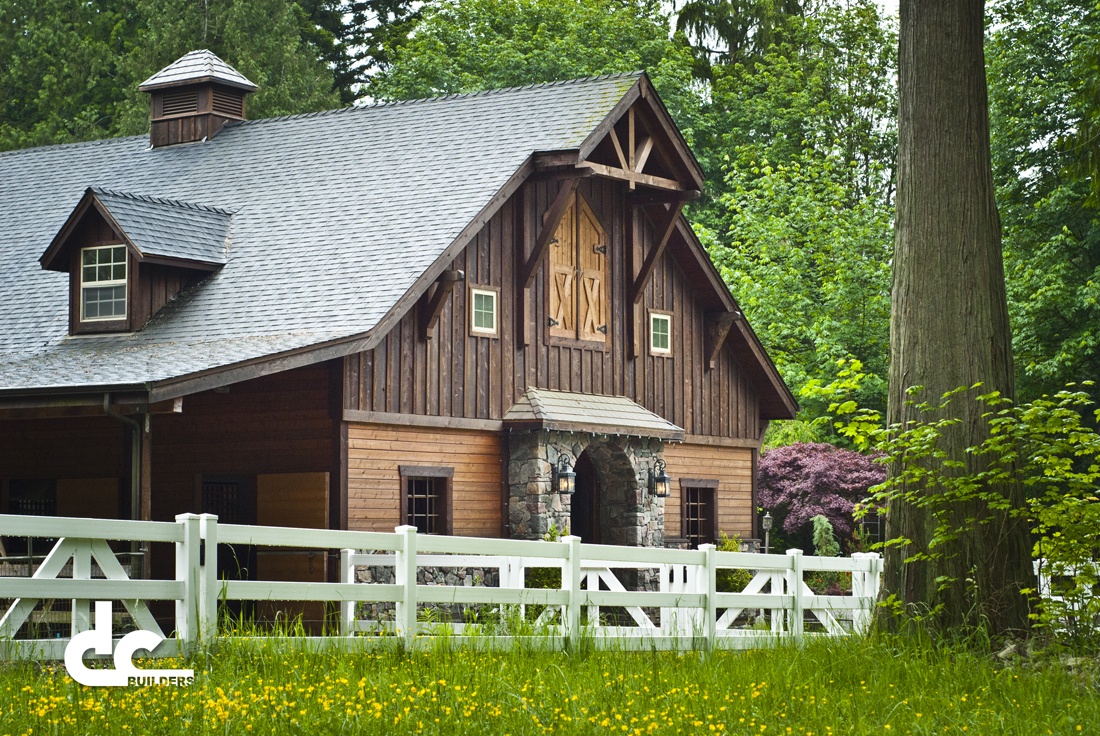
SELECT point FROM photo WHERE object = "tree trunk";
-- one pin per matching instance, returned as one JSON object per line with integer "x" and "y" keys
{"x": 949, "y": 317}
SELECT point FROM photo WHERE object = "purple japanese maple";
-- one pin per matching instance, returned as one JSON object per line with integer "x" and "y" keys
{"x": 798, "y": 482}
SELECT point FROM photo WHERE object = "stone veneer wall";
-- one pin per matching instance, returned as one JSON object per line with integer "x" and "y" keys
{"x": 629, "y": 513}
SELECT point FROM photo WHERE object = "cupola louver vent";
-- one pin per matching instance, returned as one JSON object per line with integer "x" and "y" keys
{"x": 180, "y": 102}
{"x": 228, "y": 102}
{"x": 193, "y": 98}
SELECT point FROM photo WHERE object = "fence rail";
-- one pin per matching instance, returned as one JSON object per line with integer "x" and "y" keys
{"x": 634, "y": 597}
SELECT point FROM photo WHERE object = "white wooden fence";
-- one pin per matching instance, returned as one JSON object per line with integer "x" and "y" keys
{"x": 686, "y": 612}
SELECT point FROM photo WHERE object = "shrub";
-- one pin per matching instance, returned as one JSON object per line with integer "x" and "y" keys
{"x": 729, "y": 579}
{"x": 800, "y": 481}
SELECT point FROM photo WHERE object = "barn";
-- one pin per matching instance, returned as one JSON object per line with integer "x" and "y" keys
{"x": 481, "y": 315}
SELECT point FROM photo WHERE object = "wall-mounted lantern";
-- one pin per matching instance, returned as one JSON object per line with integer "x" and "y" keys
{"x": 564, "y": 477}
{"x": 660, "y": 485}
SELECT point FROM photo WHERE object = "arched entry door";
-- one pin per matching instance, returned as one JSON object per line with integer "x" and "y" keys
{"x": 584, "y": 510}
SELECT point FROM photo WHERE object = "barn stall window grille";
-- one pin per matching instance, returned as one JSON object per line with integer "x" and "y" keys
{"x": 426, "y": 498}
{"x": 699, "y": 511}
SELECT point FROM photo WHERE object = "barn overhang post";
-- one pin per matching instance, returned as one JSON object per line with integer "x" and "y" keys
{"x": 125, "y": 404}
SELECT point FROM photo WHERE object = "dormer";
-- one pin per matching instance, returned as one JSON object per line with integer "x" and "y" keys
{"x": 128, "y": 255}
{"x": 193, "y": 98}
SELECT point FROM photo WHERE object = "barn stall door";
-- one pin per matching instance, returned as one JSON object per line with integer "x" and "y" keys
{"x": 297, "y": 500}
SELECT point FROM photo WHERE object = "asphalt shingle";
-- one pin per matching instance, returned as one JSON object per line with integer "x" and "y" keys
{"x": 564, "y": 410}
{"x": 335, "y": 216}
{"x": 159, "y": 227}
{"x": 197, "y": 66}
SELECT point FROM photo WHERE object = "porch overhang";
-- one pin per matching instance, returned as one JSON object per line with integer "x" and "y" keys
{"x": 606, "y": 415}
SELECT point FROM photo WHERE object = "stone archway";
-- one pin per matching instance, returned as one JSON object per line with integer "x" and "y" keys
{"x": 628, "y": 513}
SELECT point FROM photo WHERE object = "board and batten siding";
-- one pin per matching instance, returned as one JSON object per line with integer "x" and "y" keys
{"x": 732, "y": 467}
{"x": 456, "y": 374}
{"x": 376, "y": 452}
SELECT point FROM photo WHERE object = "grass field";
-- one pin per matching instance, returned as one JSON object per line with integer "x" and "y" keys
{"x": 879, "y": 686}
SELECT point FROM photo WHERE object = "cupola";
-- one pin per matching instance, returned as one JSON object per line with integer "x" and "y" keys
{"x": 194, "y": 97}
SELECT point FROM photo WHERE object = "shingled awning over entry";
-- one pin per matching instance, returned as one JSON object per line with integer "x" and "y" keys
{"x": 560, "y": 410}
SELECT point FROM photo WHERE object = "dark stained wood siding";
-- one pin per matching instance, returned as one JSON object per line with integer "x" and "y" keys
{"x": 75, "y": 448}
{"x": 455, "y": 374}
{"x": 154, "y": 286}
{"x": 276, "y": 424}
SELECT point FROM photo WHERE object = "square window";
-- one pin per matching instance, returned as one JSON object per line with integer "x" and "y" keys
{"x": 426, "y": 498}
{"x": 660, "y": 334}
{"x": 483, "y": 311}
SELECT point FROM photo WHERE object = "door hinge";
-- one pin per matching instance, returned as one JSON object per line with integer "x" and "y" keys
{"x": 551, "y": 322}
{"x": 601, "y": 249}
{"x": 602, "y": 328}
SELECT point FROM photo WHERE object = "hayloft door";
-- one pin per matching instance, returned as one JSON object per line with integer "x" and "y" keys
{"x": 578, "y": 303}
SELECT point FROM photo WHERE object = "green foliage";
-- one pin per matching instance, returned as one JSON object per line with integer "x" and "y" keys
{"x": 731, "y": 580}
{"x": 729, "y": 31}
{"x": 1043, "y": 444}
{"x": 72, "y": 69}
{"x": 801, "y": 224}
{"x": 825, "y": 544}
{"x": 484, "y": 44}
{"x": 1042, "y": 57}
{"x": 275, "y": 687}
{"x": 844, "y": 396}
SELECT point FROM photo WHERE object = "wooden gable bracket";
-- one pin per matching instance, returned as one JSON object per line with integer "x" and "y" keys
{"x": 632, "y": 160}
{"x": 529, "y": 264}
{"x": 718, "y": 326}
{"x": 429, "y": 315}
{"x": 554, "y": 214}
{"x": 662, "y": 228}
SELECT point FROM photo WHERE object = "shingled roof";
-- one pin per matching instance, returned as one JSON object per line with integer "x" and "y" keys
{"x": 194, "y": 67}
{"x": 571, "y": 412}
{"x": 336, "y": 216}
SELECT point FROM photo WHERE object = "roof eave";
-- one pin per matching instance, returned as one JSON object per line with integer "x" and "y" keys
{"x": 205, "y": 79}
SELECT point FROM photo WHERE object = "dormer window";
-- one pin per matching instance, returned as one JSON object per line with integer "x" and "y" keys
{"x": 103, "y": 283}
{"x": 127, "y": 255}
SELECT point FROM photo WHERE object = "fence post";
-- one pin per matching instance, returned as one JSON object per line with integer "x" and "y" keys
{"x": 571, "y": 582}
{"x": 187, "y": 572}
{"x": 405, "y": 576}
{"x": 82, "y": 570}
{"x": 208, "y": 577}
{"x": 708, "y": 582}
{"x": 794, "y": 591}
{"x": 347, "y": 608}
{"x": 860, "y": 616}
{"x": 778, "y": 614}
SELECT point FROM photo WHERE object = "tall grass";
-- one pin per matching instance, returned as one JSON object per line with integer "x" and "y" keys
{"x": 860, "y": 686}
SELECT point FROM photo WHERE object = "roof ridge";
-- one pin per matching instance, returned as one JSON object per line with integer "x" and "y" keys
{"x": 161, "y": 200}
{"x": 75, "y": 144}
{"x": 440, "y": 98}
{"x": 533, "y": 398}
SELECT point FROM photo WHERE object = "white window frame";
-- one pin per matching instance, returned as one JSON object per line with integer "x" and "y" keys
{"x": 667, "y": 319}
{"x": 124, "y": 282}
{"x": 476, "y": 291}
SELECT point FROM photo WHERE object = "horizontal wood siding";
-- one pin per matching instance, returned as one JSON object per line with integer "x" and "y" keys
{"x": 456, "y": 374}
{"x": 730, "y": 466}
{"x": 376, "y": 451}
